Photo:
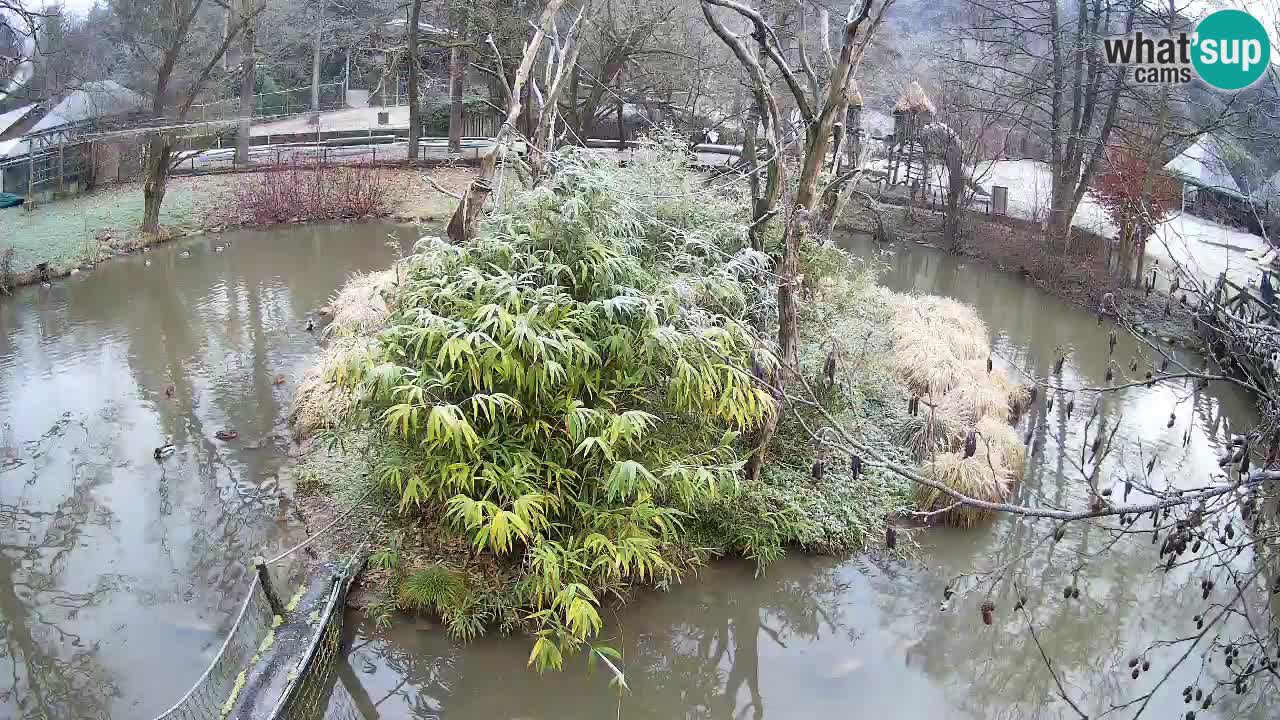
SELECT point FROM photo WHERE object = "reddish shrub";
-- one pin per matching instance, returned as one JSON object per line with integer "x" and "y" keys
{"x": 301, "y": 191}
{"x": 1119, "y": 190}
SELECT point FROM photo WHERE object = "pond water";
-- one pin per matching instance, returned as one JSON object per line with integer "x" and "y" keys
{"x": 865, "y": 636}
{"x": 120, "y": 574}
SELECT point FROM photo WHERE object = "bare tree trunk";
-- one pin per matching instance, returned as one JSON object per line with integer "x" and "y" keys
{"x": 462, "y": 225}
{"x": 315, "y": 63}
{"x": 415, "y": 129}
{"x": 1154, "y": 158}
{"x": 457, "y": 73}
{"x": 558, "y": 69}
{"x": 248, "y": 83}
{"x": 157, "y": 177}
{"x": 622, "y": 121}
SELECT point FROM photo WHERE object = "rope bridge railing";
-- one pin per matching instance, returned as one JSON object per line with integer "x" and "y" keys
{"x": 209, "y": 696}
{"x": 228, "y": 688}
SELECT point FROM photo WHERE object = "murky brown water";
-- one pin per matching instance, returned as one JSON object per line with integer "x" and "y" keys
{"x": 858, "y": 637}
{"x": 118, "y": 574}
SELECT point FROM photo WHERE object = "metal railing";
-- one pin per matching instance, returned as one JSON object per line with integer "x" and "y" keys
{"x": 290, "y": 101}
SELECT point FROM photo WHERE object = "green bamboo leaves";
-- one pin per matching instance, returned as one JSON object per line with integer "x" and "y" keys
{"x": 568, "y": 391}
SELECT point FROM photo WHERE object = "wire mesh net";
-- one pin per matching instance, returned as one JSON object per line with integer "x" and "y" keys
{"x": 214, "y": 693}
{"x": 316, "y": 686}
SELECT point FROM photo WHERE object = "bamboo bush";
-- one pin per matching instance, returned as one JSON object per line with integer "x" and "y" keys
{"x": 556, "y": 410}
{"x": 568, "y": 391}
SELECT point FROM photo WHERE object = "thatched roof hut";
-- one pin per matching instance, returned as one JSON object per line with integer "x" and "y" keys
{"x": 854, "y": 94}
{"x": 914, "y": 100}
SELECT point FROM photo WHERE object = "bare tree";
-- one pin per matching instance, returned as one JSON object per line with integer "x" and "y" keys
{"x": 1031, "y": 53}
{"x": 19, "y": 47}
{"x": 820, "y": 105}
{"x": 462, "y": 225}
{"x": 248, "y": 78}
{"x": 170, "y": 36}
{"x": 415, "y": 121}
{"x": 561, "y": 62}
{"x": 316, "y": 53}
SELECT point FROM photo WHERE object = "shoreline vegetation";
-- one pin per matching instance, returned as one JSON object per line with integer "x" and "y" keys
{"x": 79, "y": 232}
{"x": 76, "y": 233}
{"x": 552, "y": 415}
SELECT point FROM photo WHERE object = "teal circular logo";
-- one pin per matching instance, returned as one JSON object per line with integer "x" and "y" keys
{"x": 1232, "y": 49}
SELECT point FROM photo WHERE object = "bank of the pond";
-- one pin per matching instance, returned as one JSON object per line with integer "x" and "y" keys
{"x": 121, "y": 574}
{"x": 76, "y": 233}
{"x": 1079, "y": 275}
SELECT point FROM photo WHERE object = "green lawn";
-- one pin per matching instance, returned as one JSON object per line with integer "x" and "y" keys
{"x": 66, "y": 232}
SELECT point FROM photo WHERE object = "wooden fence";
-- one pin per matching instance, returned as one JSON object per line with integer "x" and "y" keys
{"x": 1242, "y": 330}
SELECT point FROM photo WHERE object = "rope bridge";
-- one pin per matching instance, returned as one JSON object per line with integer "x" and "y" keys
{"x": 280, "y": 657}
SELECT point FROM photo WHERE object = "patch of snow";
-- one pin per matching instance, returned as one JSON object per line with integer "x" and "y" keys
{"x": 93, "y": 100}
{"x": 361, "y": 118}
{"x": 1205, "y": 248}
{"x": 1202, "y": 246}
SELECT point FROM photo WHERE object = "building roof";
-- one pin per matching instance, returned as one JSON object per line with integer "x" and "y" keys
{"x": 1206, "y": 164}
{"x": 13, "y": 117}
{"x": 914, "y": 99}
{"x": 91, "y": 101}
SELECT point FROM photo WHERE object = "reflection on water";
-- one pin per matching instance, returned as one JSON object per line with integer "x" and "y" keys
{"x": 823, "y": 637}
{"x": 119, "y": 573}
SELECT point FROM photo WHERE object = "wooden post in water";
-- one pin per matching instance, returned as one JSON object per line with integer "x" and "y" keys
{"x": 264, "y": 579}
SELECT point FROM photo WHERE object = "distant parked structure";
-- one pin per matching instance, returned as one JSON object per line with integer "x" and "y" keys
{"x": 1209, "y": 189}
{"x": 42, "y": 146}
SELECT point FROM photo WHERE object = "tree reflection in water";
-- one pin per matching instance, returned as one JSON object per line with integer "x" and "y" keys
{"x": 695, "y": 652}
{"x": 49, "y": 670}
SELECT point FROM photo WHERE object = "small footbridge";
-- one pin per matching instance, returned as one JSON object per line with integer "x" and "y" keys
{"x": 281, "y": 655}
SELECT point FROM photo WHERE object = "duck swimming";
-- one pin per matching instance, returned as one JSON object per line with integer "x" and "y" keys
{"x": 226, "y": 434}
{"x": 164, "y": 451}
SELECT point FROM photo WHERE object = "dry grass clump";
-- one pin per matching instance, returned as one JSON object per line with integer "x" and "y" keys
{"x": 1017, "y": 395}
{"x": 927, "y": 433}
{"x": 359, "y": 307}
{"x": 1004, "y": 444}
{"x": 321, "y": 402}
{"x": 941, "y": 349}
{"x": 359, "y": 312}
{"x": 972, "y": 476}
{"x": 976, "y": 398}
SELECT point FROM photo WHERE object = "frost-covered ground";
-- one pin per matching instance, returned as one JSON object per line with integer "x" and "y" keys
{"x": 1202, "y": 246}
{"x": 1207, "y": 248}
{"x": 362, "y": 118}
{"x": 79, "y": 229}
